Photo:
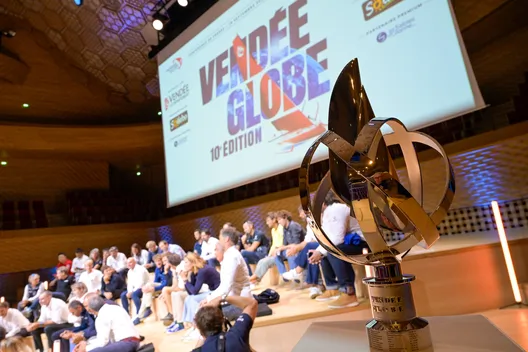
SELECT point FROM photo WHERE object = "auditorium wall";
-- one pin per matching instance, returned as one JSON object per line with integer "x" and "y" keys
{"x": 49, "y": 180}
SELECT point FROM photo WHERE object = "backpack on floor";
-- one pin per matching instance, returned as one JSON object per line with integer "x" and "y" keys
{"x": 268, "y": 296}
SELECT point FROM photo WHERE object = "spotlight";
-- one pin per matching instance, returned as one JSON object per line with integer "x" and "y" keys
{"x": 159, "y": 21}
{"x": 183, "y": 3}
{"x": 78, "y": 2}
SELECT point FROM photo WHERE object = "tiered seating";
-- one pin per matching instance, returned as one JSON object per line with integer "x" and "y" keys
{"x": 18, "y": 215}
{"x": 104, "y": 207}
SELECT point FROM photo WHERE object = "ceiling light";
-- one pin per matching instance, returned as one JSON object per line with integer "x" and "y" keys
{"x": 183, "y": 3}
{"x": 159, "y": 21}
{"x": 3, "y": 163}
{"x": 138, "y": 173}
{"x": 25, "y": 105}
{"x": 159, "y": 113}
{"x": 78, "y": 2}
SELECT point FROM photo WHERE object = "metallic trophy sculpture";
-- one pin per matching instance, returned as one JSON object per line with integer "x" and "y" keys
{"x": 363, "y": 175}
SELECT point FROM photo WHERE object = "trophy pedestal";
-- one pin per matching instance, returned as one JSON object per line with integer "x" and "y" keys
{"x": 463, "y": 333}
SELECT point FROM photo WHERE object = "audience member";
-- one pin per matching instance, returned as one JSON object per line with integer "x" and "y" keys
{"x": 162, "y": 278}
{"x": 268, "y": 262}
{"x": 293, "y": 234}
{"x": 153, "y": 249}
{"x": 118, "y": 261}
{"x": 12, "y": 321}
{"x": 255, "y": 245}
{"x": 137, "y": 277}
{"x": 62, "y": 284}
{"x": 86, "y": 326}
{"x": 115, "y": 331}
{"x": 95, "y": 256}
{"x": 171, "y": 248}
{"x": 210, "y": 322}
{"x": 199, "y": 281}
{"x": 91, "y": 278}
{"x": 106, "y": 254}
{"x": 53, "y": 317}
{"x": 198, "y": 244}
{"x": 112, "y": 284}
{"x": 79, "y": 290}
{"x": 30, "y": 298}
{"x": 78, "y": 263}
{"x": 139, "y": 254}
{"x": 209, "y": 247}
{"x": 64, "y": 261}
{"x": 173, "y": 296}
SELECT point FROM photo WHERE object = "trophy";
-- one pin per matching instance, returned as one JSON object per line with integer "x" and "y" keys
{"x": 362, "y": 174}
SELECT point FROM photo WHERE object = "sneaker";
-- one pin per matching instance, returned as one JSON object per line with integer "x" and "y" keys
{"x": 315, "y": 292}
{"x": 344, "y": 301}
{"x": 292, "y": 275}
{"x": 168, "y": 317}
{"x": 175, "y": 328}
{"x": 147, "y": 313}
{"x": 171, "y": 325}
{"x": 136, "y": 321}
{"x": 328, "y": 295}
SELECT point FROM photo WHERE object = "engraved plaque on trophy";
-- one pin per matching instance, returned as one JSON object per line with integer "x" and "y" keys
{"x": 362, "y": 175}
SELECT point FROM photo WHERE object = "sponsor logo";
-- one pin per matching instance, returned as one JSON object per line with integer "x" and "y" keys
{"x": 175, "y": 96}
{"x": 381, "y": 37}
{"x": 395, "y": 30}
{"x": 372, "y": 8}
{"x": 176, "y": 65}
{"x": 180, "y": 141}
{"x": 179, "y": 121}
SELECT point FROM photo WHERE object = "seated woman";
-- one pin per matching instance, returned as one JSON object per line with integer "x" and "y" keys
{"x": 199, "y": 280}
{"x": 30, "y": 300}
{"x": 95, "y": 256}
{"x": 79, "y": 290}
{"x": 113, "y": 284}
{"x": 139, "y": 254}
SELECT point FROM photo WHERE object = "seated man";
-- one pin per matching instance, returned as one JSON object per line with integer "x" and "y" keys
{"x": 115, "y": 331}
{"x": 137, "y": 277}
{"x": 210, "y": 320}
{"x": 12, "y": 322}
{"x": 208, "y": 248}
{"x": 30, "y": 300}
{"x": 53, "y": 317}
{"x": 78, "y": 263}
{"x": 293, "y": 234}
{"x": 112, "y": 284}
{"x": 276, "y": 241}
{"x": 91, "y": 277}
{"x": 62, "y": 283}
{"x": 255, "y": 244}
{"x": 301, "y": 251}
{"x": 162, "y": 278}
{"x": 86, "y": 327}
{"x": 174, "y": 295}
{"x": 153, "y": 249}
{"x": 118, "y": 261}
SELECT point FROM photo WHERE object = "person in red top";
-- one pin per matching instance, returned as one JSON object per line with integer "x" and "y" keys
{"x": 64, "y": 261}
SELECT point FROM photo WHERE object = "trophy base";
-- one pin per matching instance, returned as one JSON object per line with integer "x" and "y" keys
{"x": 413, "y": 336}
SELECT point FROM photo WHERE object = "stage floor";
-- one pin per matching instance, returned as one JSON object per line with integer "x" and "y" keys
{"x": 296, "y": 311}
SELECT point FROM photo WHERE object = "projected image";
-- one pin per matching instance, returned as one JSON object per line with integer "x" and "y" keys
{"x": 246, "y": 97}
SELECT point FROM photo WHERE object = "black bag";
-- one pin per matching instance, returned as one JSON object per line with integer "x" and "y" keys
{"x": 268, "y": 296}
{"x": 149, "y": 347}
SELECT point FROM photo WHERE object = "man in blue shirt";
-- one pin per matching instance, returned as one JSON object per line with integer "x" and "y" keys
{"x": 162, "y": 278}
{"x": 210, "y": 321}
{"x": 153, "y": 249}
{"x": 86, "y": 327}
{"x": 198, "y": 243}
{"x": 255, "y": 245}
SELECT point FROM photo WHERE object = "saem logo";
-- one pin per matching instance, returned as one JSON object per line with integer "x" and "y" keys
{"x": 179, "y": 121}
{"x": 372, "y": 8}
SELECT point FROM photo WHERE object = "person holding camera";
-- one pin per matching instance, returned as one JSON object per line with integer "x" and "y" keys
{"x": 211, "y": 324}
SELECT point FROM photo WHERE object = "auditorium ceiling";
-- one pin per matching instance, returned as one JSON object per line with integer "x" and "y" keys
{"x": 89, "y": 65}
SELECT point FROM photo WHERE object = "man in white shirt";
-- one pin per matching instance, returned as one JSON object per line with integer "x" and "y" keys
{"x": 336, "y": 224}
{"x": 118, "y": 261}
{"x": 115, "y": 331}
{"x": 137, "y": 277}
{"x": 234, "y": 275}
{"x": 171, "y": 248}
{"x": 208, "y": 248}
{"x": 78, "y": 263}
{"x": 92, "y": 278}
{"x": 13, "y": 321}
{"x": 53, "y": 317}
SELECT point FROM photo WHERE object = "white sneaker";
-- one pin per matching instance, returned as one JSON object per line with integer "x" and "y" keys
{"x": 315, "y": 292}
{"x": 292, "y": 275}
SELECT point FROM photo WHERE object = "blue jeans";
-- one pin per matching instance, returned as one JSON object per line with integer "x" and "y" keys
{"x": 335, "y": 267}
{"x": 136, "y": 298}
{"x": 301, "y": 260}
{"x": 279, "y": 260}
{"x": 252, "y": 257}
{"x": 119, "y": 346}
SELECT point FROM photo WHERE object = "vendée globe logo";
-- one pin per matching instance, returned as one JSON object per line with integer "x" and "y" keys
{"x": 382, "y": 36}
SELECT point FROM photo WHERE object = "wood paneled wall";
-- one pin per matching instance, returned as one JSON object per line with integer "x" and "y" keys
{"x": 49, "y": 180}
